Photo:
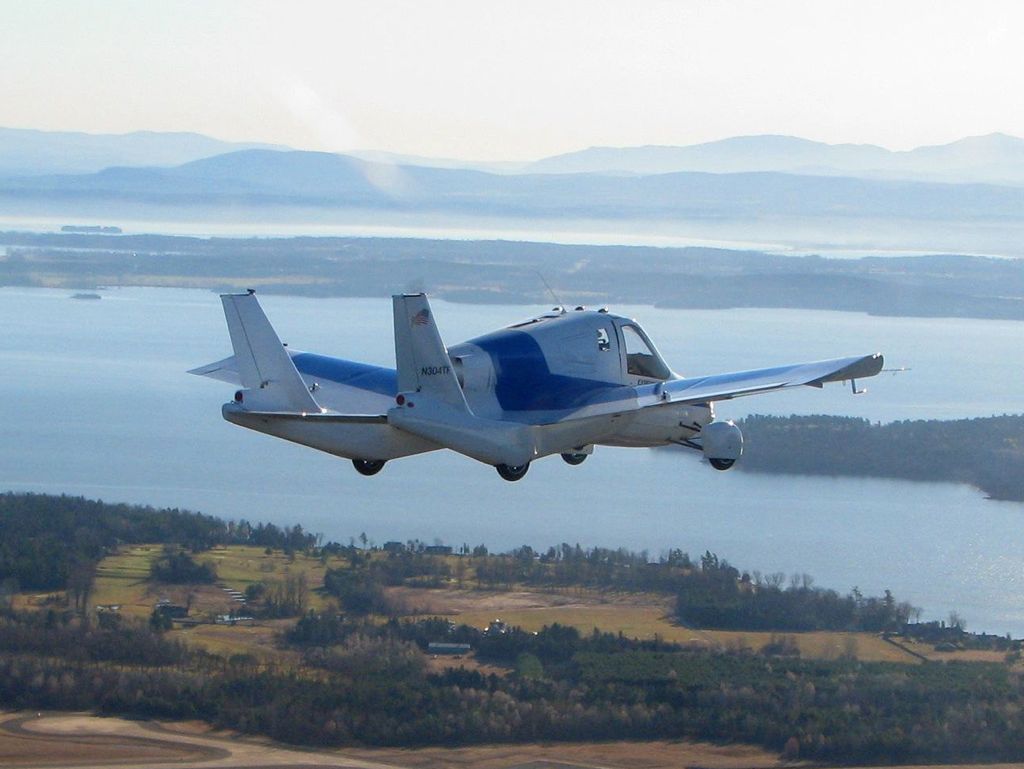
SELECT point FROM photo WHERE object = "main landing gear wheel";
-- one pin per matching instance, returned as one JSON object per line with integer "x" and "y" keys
{"x": 721, "y": 464}
{"x": 368, "y": 466}
{"x": 512, "y": 472}
{"x": 574, "y": 459}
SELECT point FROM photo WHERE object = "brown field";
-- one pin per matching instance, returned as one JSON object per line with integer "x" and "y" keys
{"x": 22, "y": 745}
{"x": 259, "y": 640}
{"x": 58, "y": 740}
{"x": 635, "y": 616}
{"x": 966, "y": 655}
{"x": 660, "y": 754}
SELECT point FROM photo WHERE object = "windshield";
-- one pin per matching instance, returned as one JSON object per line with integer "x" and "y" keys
{"x": 641, "y": 360}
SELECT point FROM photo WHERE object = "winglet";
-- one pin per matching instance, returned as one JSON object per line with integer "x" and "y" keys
{"x": 420, "y": 355}
{"x": 860, "y": 368}
{"x": 271, "y": 380}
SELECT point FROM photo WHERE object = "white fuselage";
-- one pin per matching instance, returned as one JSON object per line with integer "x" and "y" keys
{"x": 555, "y": 376}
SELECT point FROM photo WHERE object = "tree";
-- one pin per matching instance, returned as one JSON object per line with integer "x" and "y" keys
{"x": 160, "y": 621}
{"x": 178, "y": 567}
{"x": 80, "y": 585}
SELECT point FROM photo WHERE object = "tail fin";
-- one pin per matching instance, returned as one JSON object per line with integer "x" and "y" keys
{"x": 264, "y": 366}
{"x": 420, "y": 356}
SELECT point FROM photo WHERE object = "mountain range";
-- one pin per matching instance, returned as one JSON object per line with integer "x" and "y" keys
{"x": 27, "y": 152}
{"x": 322, "y": 180}
{"x": 965, "y": 197}
{"x": 993, "y": 159}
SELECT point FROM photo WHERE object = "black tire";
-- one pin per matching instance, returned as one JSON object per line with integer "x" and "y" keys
{"x": 512, "y": 472}
{"x": 721, "y": 464}
{"x": 574, "y": 459}
{"x": 368, "y": 466}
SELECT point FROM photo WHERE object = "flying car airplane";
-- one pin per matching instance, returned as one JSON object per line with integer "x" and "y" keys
{"x": 559, "y": 383}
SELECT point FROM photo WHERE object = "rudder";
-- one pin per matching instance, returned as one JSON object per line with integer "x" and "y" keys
{"x": 420, "y": 356}
{"x": 264, "y": 366}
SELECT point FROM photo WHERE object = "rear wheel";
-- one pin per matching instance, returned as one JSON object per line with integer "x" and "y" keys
{"x": 721, "y": 464}
{"x": 512, "y": 472}
{"x": 368, "y": 466}
{"x": 574, "y": 459}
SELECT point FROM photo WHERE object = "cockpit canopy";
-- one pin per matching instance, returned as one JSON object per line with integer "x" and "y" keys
{"x": 641, "y": 358}
{"x": 582, "y": 345}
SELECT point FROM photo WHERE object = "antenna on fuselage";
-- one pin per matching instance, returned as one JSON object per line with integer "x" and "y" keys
{"x": 560, "y": 305}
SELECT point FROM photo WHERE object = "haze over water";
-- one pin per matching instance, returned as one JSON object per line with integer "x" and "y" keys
{"x": 94, "y": 400}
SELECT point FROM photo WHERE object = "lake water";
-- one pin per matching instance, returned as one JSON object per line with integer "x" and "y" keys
{"x": 94, "y": 400}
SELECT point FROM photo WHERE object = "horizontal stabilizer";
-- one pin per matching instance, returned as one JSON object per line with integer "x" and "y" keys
{"x": 223, "y": 370}
{"x": 264, "y": 367}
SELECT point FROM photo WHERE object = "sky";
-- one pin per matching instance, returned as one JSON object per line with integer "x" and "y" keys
{"x": 515, "y": 80}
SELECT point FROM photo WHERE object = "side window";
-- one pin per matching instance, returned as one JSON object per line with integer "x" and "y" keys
{"x": 640, "y": 359}
{"x": 602, "y": 340}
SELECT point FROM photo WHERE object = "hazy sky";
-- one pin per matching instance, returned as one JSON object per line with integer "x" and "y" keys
{"x": 515, "y": 80}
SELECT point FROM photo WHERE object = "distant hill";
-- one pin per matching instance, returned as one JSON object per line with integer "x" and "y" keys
{"x": 316, "y": 179}
{"x": 995, "y": 159}
{"x": 399, "y": 159}
{"x": 30, "y": 152}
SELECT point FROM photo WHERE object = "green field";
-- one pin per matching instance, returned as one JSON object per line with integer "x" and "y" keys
{"x": 124, "y": 578}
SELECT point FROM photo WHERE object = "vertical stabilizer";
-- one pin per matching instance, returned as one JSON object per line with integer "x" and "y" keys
{"x": 420, "y": 356}
{"x": 271, "y": 380}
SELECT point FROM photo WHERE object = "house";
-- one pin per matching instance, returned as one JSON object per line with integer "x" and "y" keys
{"x": 497, "y": 627}
{"x": 172, "y": 610}
{"x": 231, "y": 619}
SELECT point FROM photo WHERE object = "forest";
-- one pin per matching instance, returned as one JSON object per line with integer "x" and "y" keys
{"x": 356, "y": 671}
{"x": 986, "y": 452}
{"x": 366, "y": 683}
{"x": 47, "y": 541}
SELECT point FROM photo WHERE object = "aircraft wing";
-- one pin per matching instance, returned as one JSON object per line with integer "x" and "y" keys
{"x": 719, "y": 387}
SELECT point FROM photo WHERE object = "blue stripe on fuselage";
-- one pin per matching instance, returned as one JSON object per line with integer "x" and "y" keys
{"x": 375, "y": 379}
{"x": 524, "y": 381}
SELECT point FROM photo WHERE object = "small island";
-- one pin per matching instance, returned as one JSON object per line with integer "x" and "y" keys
{"x": 91, "y": 229}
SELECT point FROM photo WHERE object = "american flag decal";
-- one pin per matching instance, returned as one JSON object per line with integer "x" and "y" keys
{"x": 421, "y": 318}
